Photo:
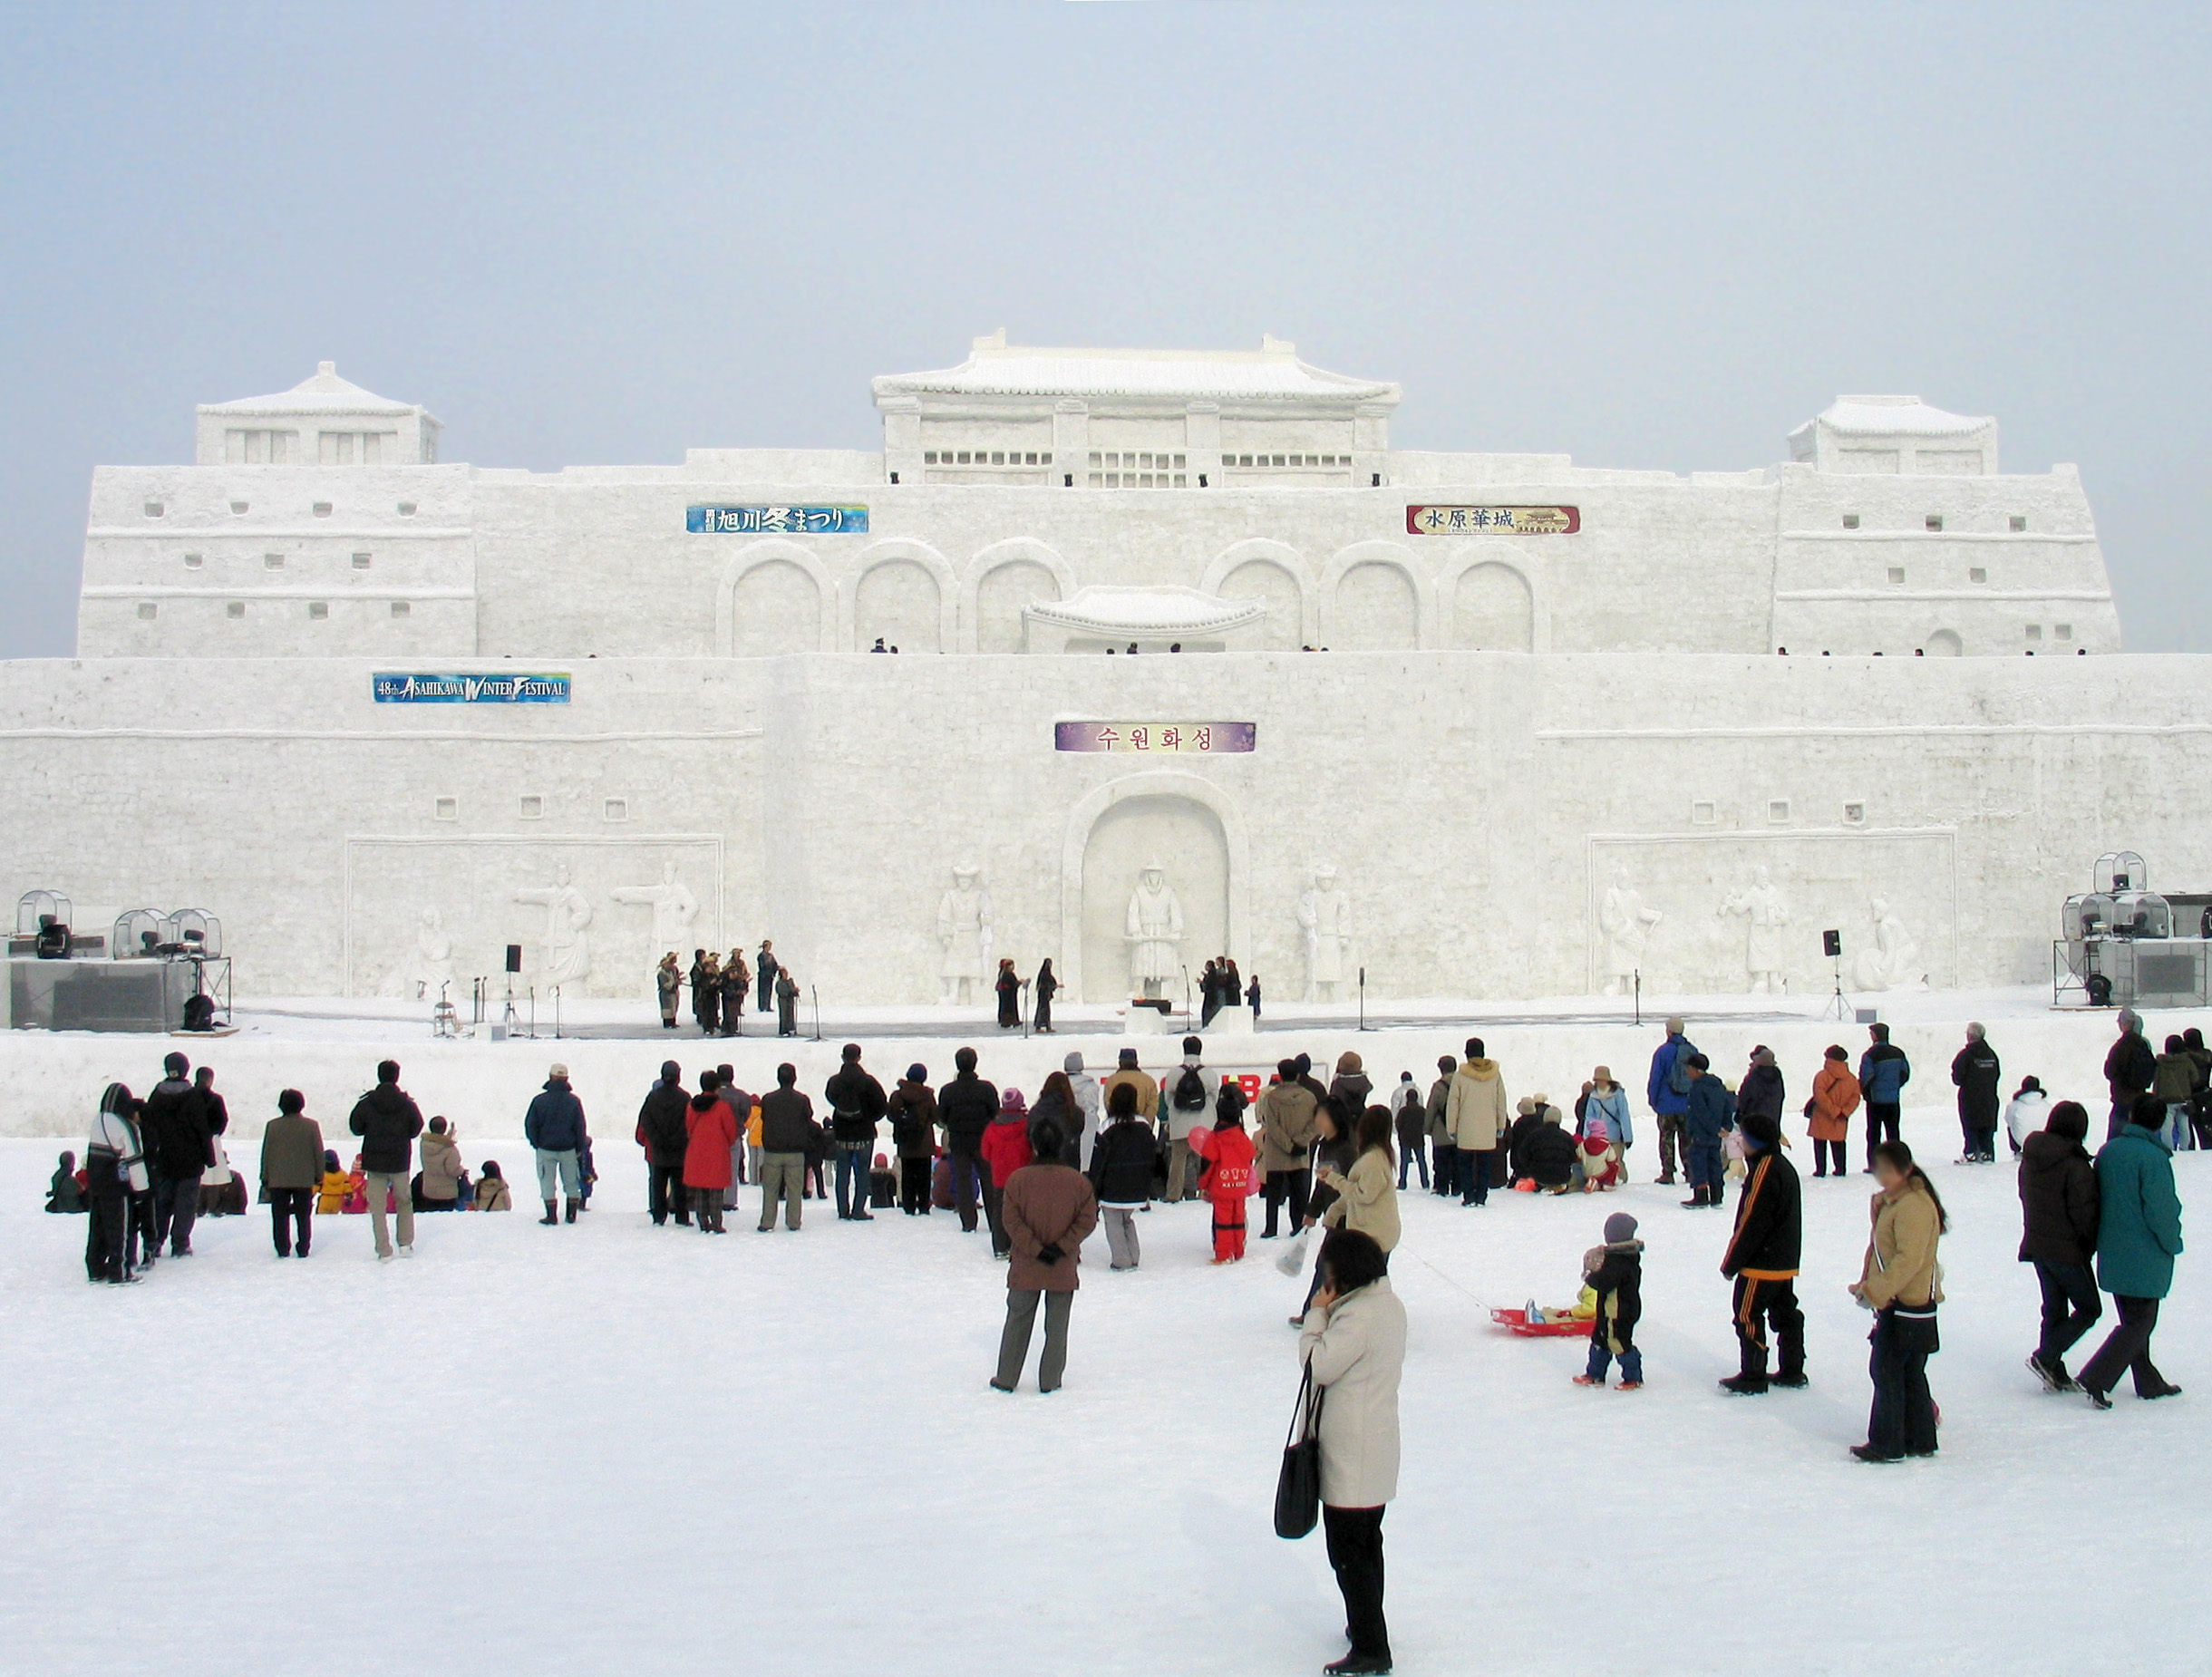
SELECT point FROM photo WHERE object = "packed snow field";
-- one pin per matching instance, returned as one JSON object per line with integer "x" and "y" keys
{"x": 617, "y": 1448}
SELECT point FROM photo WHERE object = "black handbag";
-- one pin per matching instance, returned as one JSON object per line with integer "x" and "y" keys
{"x": 1913, "y": 1330}
{"x": 1297, "y": 1490}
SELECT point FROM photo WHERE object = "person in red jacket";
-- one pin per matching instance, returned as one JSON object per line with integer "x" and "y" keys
{"x": 1005, "y": 1149}
{"x": 706, "y": 1156}
{"x": 1228, "y": 1153}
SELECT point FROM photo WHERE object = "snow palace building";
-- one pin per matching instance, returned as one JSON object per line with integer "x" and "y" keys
{"x": 385, "y": 714}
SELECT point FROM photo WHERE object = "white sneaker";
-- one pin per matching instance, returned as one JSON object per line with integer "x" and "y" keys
{"x": 383, "y": 1257}
{"x": 407, "y": 1251}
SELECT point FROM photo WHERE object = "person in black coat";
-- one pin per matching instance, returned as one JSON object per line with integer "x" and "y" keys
{"x": 1762, "y": 1090}
{"x": 966, "y": 1106}
{"x": 2129, "y": 1068}
{"x": 765, "y": 966}
{"x": 2059, "y": 1216}
{"x": 1763, "y": 1259}
{"x": 1548, "y": 1152}
{"x": 1976, "y": 1071}
{"x": 1122, "y": 1175}
{"x": 857, "y": 1105}
{"x": 1047, "y": 986}
{"x": 180, "y": 1145}
{"x": 664, "y": 1131}
{"x": 387, "y": 1120}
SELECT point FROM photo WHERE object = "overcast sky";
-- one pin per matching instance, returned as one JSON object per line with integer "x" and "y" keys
{"x": 1655, "y": 236}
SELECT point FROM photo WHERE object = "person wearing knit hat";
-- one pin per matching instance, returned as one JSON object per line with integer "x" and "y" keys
{"x": 913, "y": 1109}
{"x": 1615, "y": 1274}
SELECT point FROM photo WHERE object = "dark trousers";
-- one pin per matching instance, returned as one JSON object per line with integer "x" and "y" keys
{"x": 1672, "y": 1137}
{"x": 141, "y": 1238}
{"x": 1902, "y": 1419}
{"x": 1447, "y": 1166}
{"x": 1414, "y": 1155}
{"x": 1821, "y": 1153}
{"x": 993, "y": 1209}
{"x": 292, "y": 1209}
{"x": 1475, "y": 1175}
{"x": 1979, "y": 1131}
{"x": 1287, "y": 1187}
{"x": 664, "y": 1192}
{"x": 1020, "y": 1323}
{"x": 1881, "y": 1126}
{"x": 2128, "y": 1346}
{"x": 110, "y": 1204}
{"x": 1700, "y": 1162}
{"x": 914, "y": 1184}
{"x": 852, "y": 1171}
{"x": 2070, "y": 1308}
{"x": 176, "y": 1206}
{"x": 967, "y": 1176}
{"x": 1761, "y": 1304}
{"x": 1355, "y": 1551}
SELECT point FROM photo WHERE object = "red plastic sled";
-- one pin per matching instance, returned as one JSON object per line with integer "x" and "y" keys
{"x": 1516, "y": 1322}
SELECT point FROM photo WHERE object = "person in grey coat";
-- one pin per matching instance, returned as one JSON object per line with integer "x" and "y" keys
{"x": 291, "y": 1171}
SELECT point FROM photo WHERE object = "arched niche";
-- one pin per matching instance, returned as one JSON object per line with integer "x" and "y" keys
{"x": 1274, "y": 572}
{"x": 1373, "y": 598}
{"x": 774, "y": 597}
{"x": 1490, "y": 602}
{"x": 905, "y": 592}
{"x": 999, "y": 582}
{"x": 1182, "y": 811}
{"x": 1943, "y": 644}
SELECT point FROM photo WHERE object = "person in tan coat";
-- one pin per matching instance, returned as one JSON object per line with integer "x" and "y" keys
{"x": 1901, "y": 1282}
{"x": 440, "y": 1168}
{"x": 1477, "y": 1114}
{"x": 1049, "y": 1209}
{"x": 1367, "y": 1194}
{"x": 1286, "y": 1108}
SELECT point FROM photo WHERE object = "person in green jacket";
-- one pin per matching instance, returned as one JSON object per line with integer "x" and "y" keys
{"x": 2139, "y": 1236}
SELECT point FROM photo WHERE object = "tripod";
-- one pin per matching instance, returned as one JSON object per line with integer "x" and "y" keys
{"x": 1838, "y": 1008}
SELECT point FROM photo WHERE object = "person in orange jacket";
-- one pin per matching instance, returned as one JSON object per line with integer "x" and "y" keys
{"x": 1227, "y": 1182}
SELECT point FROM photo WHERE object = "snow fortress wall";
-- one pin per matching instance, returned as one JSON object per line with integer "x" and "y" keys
{"x": 1479, "y": 810}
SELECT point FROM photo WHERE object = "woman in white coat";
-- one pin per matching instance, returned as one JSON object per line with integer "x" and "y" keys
{"x": 1353, "y": 1341}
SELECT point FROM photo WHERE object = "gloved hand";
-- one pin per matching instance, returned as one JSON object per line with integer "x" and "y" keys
{"x": 1049, "y": 1255}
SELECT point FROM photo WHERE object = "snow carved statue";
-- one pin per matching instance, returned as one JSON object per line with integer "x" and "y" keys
{"x": 964, "y": 936}
{"x": 1767, "y": 913}
{"x": 1325, "y": 912}
{"x": 1626, "y": 925}
{"x": 422, "y": 977}
{"x": 567, "y": 948}
{"x": 674, "y": 909}
{"x": 1153, "y": 930}
{"x": 1892, "y": 962}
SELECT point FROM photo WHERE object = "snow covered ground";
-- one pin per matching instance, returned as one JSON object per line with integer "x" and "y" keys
{"x": 614, "y": 1447}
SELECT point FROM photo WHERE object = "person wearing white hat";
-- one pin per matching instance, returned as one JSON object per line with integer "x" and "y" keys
{"x": 555, "y": 1129}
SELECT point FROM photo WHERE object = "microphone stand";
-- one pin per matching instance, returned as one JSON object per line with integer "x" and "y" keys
{"x": 1362, "y": 998}
{"x": 1186, "y": 971}
{"x": 817, "y": 995}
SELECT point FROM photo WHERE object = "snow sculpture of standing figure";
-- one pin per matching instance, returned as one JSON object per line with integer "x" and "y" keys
{"x": 567, "y": 949}
{"x": 1153, "y": 931}
{"x": 674, "y": 909}
{"x": 1766, "y": 912}
{"x": 963, "y": 934}
{"x": 421, "y": 979}
{"x": 1325, "y": 912}
{"x": 1627, "y": 925}
{"x": 1894, "y": 961}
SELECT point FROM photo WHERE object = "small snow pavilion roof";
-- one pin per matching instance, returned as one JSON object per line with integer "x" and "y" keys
{"x": 325, "y": 393}
{"x": 1895, "y": 416}
{"x": 1273, "y": 373}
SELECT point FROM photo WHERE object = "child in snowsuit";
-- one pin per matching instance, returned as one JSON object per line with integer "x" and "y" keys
{"x": 330, "y": 1198}
{"x": 65, "y": 1194}
{"x": 1227, "y": 1178}
{"x": 1710, "y": 1115}
{"x": 356, "y": 1201}
{"x": 1615, "y": 1274}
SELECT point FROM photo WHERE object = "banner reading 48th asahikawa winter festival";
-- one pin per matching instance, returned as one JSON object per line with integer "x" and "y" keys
{"x": 404, "y": 688}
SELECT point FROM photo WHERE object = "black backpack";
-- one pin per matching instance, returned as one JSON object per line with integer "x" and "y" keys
{"x": 1189, "y": 1092}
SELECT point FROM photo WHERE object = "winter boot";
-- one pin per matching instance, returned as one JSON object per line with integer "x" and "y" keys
{"x": 573, "y": 1207}
{"x": 1745, "y": 1385}
{"x": 1698, "y": 1199}
{"x": 548, "y": 1219}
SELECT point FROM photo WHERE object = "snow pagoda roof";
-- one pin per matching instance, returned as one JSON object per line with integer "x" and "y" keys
{"x": 1892, "y": 416}
{"x": 1273, "y": 373}
{"x": 325, "y": 393}
{"x": 1115, "y": 612}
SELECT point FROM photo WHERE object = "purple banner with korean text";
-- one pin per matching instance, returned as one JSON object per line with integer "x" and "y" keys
{"x": 1156, "y": 739}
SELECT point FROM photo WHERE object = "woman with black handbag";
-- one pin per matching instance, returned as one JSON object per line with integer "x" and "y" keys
{"x": 1902, "y": 1284}
{"x": 1353, "y": 1349}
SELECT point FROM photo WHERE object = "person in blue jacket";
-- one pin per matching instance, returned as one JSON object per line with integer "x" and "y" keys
{"x": 555, "y": 1128}
{"x": 1883, "y": 1072}
{"x": 1667, "y": 1091}
{"x": 1709, "y": 1113}
{"x": 2139, "y": 1236}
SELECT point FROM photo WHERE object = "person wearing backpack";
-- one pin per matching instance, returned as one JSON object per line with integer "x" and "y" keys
{"x": 1883, "y": 1072}
{"x": 1186, "y": 1108}
{"x": 1667, "y": 1091}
